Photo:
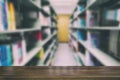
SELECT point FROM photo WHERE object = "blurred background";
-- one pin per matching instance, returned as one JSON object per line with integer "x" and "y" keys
{"x": 59, "y": 32}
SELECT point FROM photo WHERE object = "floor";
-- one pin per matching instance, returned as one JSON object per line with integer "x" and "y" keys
{"x": 63, "y": 56}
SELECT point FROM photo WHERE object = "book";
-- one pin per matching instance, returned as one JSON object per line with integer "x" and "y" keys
{"x": 9, "y": 55}
{"x": 3, "y": 58}
{"x": 2, "y": 16}
{"x": 113, "y": 14}
{"x": 5, "y": 55}
{"x": 12, "y": 22}
{"x": 113, "y": 43}
{"x": 95, "y": 39}
{"x": 82, "y": 22}
{"x": 81, "y": 35}
{"x": 17, "y": 52}
{"x": 41, "y": 54}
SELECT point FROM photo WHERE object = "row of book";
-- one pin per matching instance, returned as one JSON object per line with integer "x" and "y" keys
{"x": 77, "y": 47}
{"x": 12, "y": 17}
{"x": 40, "y": 56}
{"x": 7, "y": 16}
{"x": 11, "y": 53}
{"x": 113, "y": 15}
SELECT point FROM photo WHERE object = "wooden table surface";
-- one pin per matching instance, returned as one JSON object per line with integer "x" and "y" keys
{"x": 59, "y": 73}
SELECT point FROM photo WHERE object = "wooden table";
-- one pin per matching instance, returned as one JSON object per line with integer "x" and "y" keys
{"x": 59, "y": 73}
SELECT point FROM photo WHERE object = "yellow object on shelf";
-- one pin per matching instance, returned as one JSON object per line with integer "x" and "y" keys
{"x": 41, "y": 53}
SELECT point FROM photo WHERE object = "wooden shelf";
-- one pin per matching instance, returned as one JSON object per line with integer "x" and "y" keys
{"x": 104, "y": 58}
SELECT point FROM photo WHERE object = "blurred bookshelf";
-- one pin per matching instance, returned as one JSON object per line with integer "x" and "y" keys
{"x": 23, "y": 36}
{"x": 95, "y": 32}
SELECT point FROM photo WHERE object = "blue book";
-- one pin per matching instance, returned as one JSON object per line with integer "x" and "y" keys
{"x": 3, "y": 16}
{"x": 5, "y": 55}
{"x": 81, "y": 35}
{"x": 95, "y": 39}
{"x": 3, "y": 58}
{"x": 9, "y": 55}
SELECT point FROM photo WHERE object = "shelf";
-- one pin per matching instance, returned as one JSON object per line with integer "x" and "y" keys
{"x": 31, "y": 4}
{"x": 82, "y": 57}
{"x": 49, "y": 38}
{"x": 76, "y": 58}
{"x": 48, "y": 62}
{"x": 45, "y": 13}
{"x": 98, "y": 28}
{"x": 79, "y": 14}
{"x": 104, "y": 58}
{"x": 20, "y": 31}
{"x": 29, "y": 56}
{"x": 54, "y": 27}
{"x": 52, "y": 10}
{"x": 48, "y": 52}
{"x": 46, "y": 26}
{"x": 34, "y": 51}
{"x": 97, "y": 4}
{"x": 79, "y": 3}
{"x": 53, "y": 19}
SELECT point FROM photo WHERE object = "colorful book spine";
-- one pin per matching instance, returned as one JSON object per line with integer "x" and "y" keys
{"x": 80, "y": 35}
{"x": 41, "y": 54}
{"x": 2, "y": 15}
{"x": 17, "y": 53}
{"x": 5, "y": 55}
{"x": 9, "y": 55}
{"x": 95, "y": 39}
{"x": 82, "y": 22}
{"x": 12, "y": 23}
{"x": 113, "y": 15}
{"x": 7, "y": 13}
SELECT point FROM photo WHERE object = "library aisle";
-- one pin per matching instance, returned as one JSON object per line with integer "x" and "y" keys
{"x": 31, "y": 32}
{"x": 63, "y": 56}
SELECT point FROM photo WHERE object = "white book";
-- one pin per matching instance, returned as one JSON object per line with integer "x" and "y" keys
{"x": 118, "y": 14}
{"x": 15, "y": 54}
{"x": 24, "y": 52}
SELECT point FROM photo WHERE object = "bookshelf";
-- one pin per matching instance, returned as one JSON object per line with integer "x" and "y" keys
{"x": 94, "y": 32}
{"x": 24, "y": 34}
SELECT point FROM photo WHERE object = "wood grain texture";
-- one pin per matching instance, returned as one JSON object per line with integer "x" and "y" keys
{"x": 59, "y": 73}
